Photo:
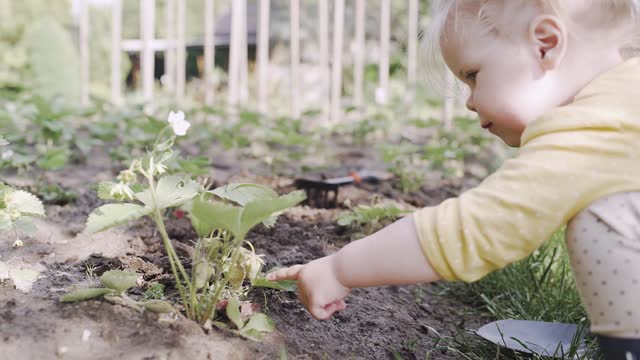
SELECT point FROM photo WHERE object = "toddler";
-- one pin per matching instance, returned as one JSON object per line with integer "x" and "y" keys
{"x": 558, "y": 79}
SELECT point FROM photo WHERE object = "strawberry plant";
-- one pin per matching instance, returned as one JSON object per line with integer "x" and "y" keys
{"x": 405, "y": 162}
{"x": 115, "y": 284}
{"x": 17, "y": 207}
{"x": 222, "y": 217}
{"x": 367, "y": 219}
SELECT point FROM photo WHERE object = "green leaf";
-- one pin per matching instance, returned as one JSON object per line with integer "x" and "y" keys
{"x": 84, "y": 294}
{"x": 252, "y": 334}
{"x": 54, "y": 158}
{"x": 287, "y": 285}
{"x": 52, "y": 58}
{"x": 158, "y": 306}
{"x": 208, "y": 216}
{"x": 202, "y": 272}
{"x": 345, "y": 218}
{"x": 196, "y": 166}
{"x": 156, "y": 291}
{"x": 165, "y": 145}
{"x": 242, "y": 193}
{"x": 3, "y": 142}
{"x": 233, "y": 313}
{"x": 25, "y": 225}
{"x": 85, "y": 144}
{"x": 259, "y": 322}
{"x": 104, "y": 190}
{"x": 19, "y": 159}
{"x": 120, "y": 280}
{"x": 3, "y": 189}
{"x": 172, "y": 190}
{"x": 24, "y": 202}
{"x": 236, "y": 276}
{"x": 5, "y": 221}
{"x": 110, "y": 215}
{"x": 259, "y": 211}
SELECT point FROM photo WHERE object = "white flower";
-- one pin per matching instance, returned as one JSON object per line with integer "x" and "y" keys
{"x": 156, "y": 168}
{"x": 127, "y": 176}
{"x": 18, "y": 243}
{"x": 7, "y": 154}
{"x": 161, "y": 168}
{"x": 178, "y": 123}
{"x": 121, "y": 191}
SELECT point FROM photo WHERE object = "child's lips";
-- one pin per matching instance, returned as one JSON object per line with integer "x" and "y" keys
{"x": 486, "y": 125}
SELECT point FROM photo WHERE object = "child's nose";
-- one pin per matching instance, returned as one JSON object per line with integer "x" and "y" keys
{"x": 470, "y": 105}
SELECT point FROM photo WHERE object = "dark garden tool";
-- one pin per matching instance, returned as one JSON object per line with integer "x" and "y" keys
{"x": 323, "y": 193}
{"x": 536, "y": 337}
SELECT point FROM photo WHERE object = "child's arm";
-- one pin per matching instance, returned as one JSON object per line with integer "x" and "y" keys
{"x": 391, "y": 256}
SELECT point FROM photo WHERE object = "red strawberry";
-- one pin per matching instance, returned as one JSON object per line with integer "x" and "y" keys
{"x": 178, "y": 214}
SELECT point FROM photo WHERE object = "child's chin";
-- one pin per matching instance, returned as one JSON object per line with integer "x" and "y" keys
{"x": 510, "y": 141}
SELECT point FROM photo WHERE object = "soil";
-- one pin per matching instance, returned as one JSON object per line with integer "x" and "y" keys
{"x": 377, "y": 322}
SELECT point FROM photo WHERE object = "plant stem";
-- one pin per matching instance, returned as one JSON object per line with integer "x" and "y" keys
{"x": 234, "y": 260}
{"x": 213, "y": 301}
{"x": 174, "y": 261}
{"x": 155, "y": 143}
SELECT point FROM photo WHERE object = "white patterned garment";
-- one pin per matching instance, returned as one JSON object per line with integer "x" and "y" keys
{"x": 604, "y": 247}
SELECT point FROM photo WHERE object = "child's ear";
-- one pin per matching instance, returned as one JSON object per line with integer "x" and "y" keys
{"x": 549, "y": 38}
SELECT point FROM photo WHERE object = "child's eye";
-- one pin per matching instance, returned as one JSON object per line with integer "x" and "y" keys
{"x": 471, "y": 76}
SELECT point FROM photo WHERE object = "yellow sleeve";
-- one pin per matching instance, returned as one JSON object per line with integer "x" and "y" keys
{"x": 515, "y": 210}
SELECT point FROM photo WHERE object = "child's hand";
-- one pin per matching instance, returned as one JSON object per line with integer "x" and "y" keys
{"x": 318, "y": 287}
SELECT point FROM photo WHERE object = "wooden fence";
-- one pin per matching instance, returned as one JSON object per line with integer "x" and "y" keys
{"x": 174, "y": 47}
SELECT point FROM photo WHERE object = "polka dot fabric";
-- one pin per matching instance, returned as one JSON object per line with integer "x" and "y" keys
{"x": 604, "y": 247}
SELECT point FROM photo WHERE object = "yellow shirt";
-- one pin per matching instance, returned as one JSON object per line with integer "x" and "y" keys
{"x": 570, "y": 157}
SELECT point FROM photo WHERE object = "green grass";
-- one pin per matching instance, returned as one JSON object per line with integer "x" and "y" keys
{"x": 540, "y": 287}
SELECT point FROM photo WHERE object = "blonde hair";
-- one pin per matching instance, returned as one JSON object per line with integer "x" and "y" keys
{"x": 619, "y": 19}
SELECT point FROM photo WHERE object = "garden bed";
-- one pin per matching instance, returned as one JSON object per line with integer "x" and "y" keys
{"x": 378, "y": 323}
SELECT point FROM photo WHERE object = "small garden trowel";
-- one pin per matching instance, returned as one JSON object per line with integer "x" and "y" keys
{"x": 319, "y": 190}
{"x": 536, "y": 337}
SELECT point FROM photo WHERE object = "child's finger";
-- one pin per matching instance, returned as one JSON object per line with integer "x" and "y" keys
{"x": 340, "y": 305}
{"x": 325, "y": 312}
{"x": 337, "y": 305}
{"x": 288, "y": 273}
{"x": 320, "y": 312}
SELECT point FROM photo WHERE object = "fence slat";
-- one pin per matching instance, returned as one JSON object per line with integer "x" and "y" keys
{"x": 84, "y": 51}
{"x": 170, "y": 51}
{"x": 181, "y": 50}
{"x": 294, "y": 47}
{"x": 209, "y": 51}
{"x": 336, "y": 71}
{"x": 147, "y": 25}
{"x": 244, "y": 58}
{"x": 358, "y": 53}
{"x": 263, "y": 55}
{"x": 382, "y": 92}
{"x": 412, "y": 48}
{"x": 116, "y": 52}
{"x": 323, "y": 40}
{"x": 235, "y": 52}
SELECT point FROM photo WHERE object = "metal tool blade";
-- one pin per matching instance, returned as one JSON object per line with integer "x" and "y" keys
{"x": 534, "y": 337}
